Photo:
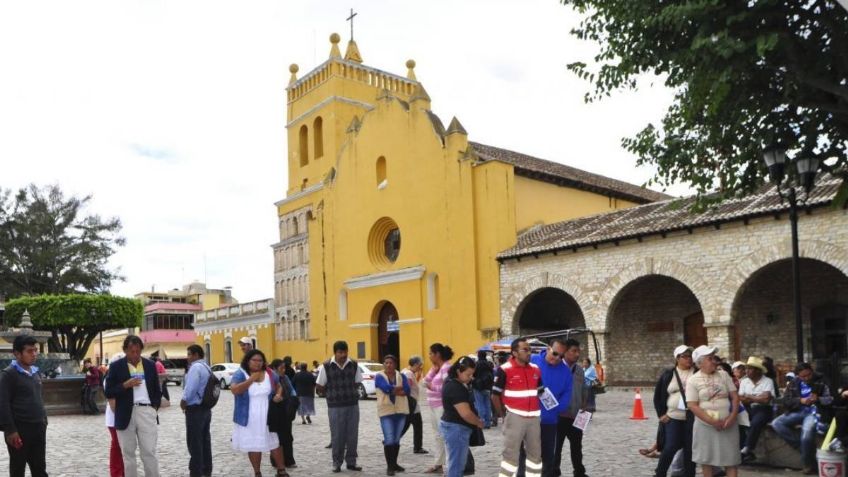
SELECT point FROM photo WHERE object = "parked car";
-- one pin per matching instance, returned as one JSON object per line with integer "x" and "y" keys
{"x": 366, "y": 388}
{"x": 369, "y": 372}
{"x": 224, "y": 373}
{"x": 175, "y": 370}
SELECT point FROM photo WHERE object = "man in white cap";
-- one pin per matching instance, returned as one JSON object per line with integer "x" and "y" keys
{"x": 675, "y": 419}
{"x": 246, "y": 344}
{"x": 756, "y": 392}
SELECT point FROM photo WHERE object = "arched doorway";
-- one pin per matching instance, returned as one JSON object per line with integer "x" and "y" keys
{"x": 764, "y": 317}
{"x": 547, "y": 309}
{"x": 388, "y": 331}
{"x": 648, "y": 318}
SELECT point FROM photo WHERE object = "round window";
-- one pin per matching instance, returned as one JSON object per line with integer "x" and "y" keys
{"x": 384, "y": 242}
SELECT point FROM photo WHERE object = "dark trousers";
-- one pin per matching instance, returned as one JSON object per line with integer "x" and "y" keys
{"x": 89, "y": 404}
{"x": 287, "y": 442}
{"x": 32, "y": 453}
{"x": 549, "y": 447}
{"x": 760, "y": 416}
{"x": 414, "y": 420}
{"x": 199, "y": 440}
{"x": 344, "y": 433}
{"x": 678, "y": 435}
{"x": 566, "y": 430}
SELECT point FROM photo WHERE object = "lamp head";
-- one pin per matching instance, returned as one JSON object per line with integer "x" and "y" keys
{"x": 775, "y": 159}
{"x": 807, "y": 169}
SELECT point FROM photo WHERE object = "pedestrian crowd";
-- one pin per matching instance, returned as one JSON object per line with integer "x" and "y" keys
{"x": 712, "y": 413}
{"x": 466, "y": 395}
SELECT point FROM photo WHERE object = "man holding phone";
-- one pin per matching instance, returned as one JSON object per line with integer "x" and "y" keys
{"x": 134, "y": 385}
{"x": 22, "y": 416}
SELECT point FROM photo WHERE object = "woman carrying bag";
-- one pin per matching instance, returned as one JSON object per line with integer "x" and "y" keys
{"x": 460, "y": 423}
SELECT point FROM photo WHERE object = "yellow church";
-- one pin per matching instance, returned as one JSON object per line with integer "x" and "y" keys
{"x": 391, "y": 223}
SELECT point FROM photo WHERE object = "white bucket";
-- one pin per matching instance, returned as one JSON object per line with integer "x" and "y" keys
{"x": 831, "y": 464}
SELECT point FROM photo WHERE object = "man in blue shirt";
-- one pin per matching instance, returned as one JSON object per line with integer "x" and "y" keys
{"x": 198, "y": 416}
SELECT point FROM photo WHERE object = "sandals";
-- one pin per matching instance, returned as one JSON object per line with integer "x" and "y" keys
{"x": 436, "y": 469}
{"x": 650, "y": 453}
{"x": 282, "y": 473}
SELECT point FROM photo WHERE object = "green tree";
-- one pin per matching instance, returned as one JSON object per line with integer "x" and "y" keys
{"x": 47, "y": 244}
{"x": 746, "y": 75}
{"x": 75, "y": 320}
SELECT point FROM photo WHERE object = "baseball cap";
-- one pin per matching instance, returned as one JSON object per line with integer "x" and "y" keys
{"x": 702, "y": 351}
{"x": 737, "y": 364}
{"x": 246, "y": 340}
{"x": 682, "y": 349}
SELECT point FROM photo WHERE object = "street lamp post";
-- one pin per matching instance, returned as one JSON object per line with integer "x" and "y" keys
{"x": 775, "y": 160}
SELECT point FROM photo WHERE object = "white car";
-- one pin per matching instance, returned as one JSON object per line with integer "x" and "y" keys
{"x": 224, "y": 373}
{"x": 369, "y": 372}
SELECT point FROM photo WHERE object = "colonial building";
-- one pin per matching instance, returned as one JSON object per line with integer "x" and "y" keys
{"x": 649, "y": 278}
{"x": 166, "y": 328}
{"x": 220, "y": 329}
{"x": 392, "y": 222}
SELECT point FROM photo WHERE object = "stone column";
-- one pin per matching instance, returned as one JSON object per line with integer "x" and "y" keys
{"x": 721, "y": 335}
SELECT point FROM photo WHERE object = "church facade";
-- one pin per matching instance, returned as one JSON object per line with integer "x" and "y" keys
{"x": 392, "y": 223}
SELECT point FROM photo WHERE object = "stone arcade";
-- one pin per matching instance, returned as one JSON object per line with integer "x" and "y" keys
{"x": 648, "y": 278}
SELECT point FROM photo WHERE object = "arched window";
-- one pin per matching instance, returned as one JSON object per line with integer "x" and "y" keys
{"x": 228, "y": 350}
{"x": 318, "y": 135}
{"x": 381, "y": 172}
{"x": 304, "y": 146}
{"x": 208, "y": 351}
{"x": 295, "y": 229}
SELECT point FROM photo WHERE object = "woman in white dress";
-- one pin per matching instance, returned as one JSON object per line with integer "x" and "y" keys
{"x": 254, "y": 386}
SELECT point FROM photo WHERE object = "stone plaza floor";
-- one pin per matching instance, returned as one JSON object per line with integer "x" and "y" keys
{"x": 78, "y": 446}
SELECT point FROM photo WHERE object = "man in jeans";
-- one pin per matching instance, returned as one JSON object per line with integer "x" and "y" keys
{"x": 801, "y": 399}
{"x": 484, "y": 377}
{"x": 565, "y": 425}
{"x": 22, "y": 415}
{"x": 339, "y": 377}
{"x": 198, "y": 417}
{"x": 516, "y": 397}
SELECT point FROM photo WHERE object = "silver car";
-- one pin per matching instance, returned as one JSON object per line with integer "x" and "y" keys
{"x": 224, "y": 373}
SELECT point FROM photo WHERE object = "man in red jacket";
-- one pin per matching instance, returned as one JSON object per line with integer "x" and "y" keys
{"x": 515, "y": 395}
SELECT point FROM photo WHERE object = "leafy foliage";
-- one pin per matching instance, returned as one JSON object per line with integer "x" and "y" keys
{"x": 746, "y": 75}
{"x": 48, "y": 246}
{"x": 75, "y": 319}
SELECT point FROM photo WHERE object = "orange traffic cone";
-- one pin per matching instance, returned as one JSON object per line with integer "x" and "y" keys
{"x": 638, "y": 412}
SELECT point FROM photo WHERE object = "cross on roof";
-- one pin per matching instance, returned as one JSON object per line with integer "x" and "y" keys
{"x": 350, "y": 19}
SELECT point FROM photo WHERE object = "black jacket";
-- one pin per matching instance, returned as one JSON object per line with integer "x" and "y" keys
{"x": 792, "y": 397}
{"x": 20, "y": 400}
{"x": 661, "y": 392}
{"x": 119, "y": 372}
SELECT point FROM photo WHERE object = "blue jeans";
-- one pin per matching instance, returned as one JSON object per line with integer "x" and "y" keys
{"x": 392, "y": 426}
{"x": 678, "y": 435}
{"x": 483, "y": 403}
{"x": 785, "y": 427}
{"x": 456, "y": 445}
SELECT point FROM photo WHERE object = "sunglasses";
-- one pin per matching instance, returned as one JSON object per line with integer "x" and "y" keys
{"x": 556, "y": 355}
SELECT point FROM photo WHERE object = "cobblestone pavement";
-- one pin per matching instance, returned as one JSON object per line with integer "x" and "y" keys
{"x": 78, "y": 445}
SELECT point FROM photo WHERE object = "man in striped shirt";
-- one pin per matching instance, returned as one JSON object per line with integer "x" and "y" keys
{"x": 515, "y": 395}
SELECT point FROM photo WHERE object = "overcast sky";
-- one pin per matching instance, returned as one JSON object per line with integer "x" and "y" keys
{"x": 172, "y": 113}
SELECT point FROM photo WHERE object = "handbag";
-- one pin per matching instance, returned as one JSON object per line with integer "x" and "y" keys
{"x": 477, "y": 438}
{"x": 598, "y": 387}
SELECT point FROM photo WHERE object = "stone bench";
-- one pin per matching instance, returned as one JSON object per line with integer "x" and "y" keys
{"x": 775, "y": 452}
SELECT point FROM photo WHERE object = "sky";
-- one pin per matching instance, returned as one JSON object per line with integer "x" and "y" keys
{"x": 172, "y": 114}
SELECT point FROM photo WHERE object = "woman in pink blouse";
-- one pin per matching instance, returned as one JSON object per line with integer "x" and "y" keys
{"x": 440, "y": 356}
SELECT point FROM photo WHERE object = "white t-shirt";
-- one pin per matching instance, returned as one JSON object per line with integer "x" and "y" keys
{"x": 764, "y": 385}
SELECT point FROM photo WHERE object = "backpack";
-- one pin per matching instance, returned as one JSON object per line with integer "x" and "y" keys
{"x": 212, "y": 391}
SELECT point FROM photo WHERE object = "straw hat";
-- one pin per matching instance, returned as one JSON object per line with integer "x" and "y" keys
{"x": 756, "y": 362}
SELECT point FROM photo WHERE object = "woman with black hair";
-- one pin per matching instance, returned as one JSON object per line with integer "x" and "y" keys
{"x": 392, "y": 408}
{"x": 281, "y": 414}
{"x": 255, "y": 387}
{"x": 459, "y": 417}
{"x": 440, "y": 356}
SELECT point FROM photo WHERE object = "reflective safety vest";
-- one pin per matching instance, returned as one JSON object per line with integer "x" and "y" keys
{"x": 520, "y": 387}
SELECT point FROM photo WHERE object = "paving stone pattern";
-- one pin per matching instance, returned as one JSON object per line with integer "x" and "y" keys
{"x": 78, "y": 446}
